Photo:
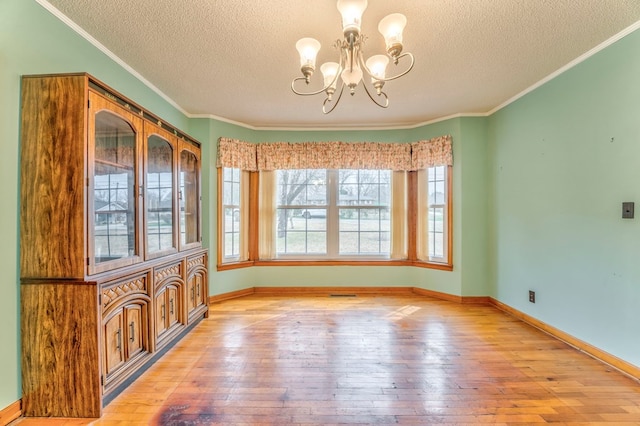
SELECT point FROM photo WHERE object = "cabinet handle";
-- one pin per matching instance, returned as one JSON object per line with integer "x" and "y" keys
{"x": 119, "y": 339}
{"x": 198, "y": 287}
{"x": 171, "y": 306}
{"x": 163, "y": 311}
{"x": 193, "y": 294}
{"x": 132, "y": 331}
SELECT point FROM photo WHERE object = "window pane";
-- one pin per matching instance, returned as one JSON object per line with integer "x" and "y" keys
{"x": 437, "y": 213}
{"x": 299, "y": 234}
{"x": 439, "y": 196}
{"x": 301, "y": 217}
{"x": 360, "y": 215}
{"x": 226, "y": 174}
{"x": 364, "y": 231}
{"x": 235, "y": 194}
{"x": 231, "y": 212}
{"x": 228, "y": 244}
{"x": 226, "y": 192}
{"x": 301, "y": 187}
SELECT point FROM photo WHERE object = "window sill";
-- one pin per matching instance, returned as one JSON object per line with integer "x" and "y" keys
{"x": 415, "y": 263}
{"x": 431, "y": 265}
{"x": 234, "y": 265}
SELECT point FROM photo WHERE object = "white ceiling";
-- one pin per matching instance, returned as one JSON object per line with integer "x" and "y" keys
{"x": 235, "y": 59}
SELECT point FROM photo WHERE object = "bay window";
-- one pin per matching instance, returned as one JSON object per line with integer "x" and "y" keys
{"x": 335, "y": 202}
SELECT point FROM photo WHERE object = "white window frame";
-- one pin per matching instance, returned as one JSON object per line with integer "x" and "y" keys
{"x": 431, "y": 212}
{"x": 234, "y": 218}
{"x": 332, "y": 227}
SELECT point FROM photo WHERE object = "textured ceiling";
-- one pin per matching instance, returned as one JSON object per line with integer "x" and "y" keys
{"x": 235, "y": 59}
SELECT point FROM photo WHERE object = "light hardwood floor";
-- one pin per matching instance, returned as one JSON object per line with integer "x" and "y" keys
{"x": 369, "y": 360}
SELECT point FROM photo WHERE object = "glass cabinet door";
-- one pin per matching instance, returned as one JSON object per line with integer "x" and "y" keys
{"x": 113, "y": 221}
{"x": 189, "y": 199}
{"x": 159, "y": 197}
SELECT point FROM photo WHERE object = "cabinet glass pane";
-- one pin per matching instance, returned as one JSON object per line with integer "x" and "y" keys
{"x": 189, "y": 202}
{"x": 114, "y": 183}
{"x": 159, "y": 197}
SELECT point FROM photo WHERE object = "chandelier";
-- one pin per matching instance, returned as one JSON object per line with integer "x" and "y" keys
{"x": 351, "y": 63}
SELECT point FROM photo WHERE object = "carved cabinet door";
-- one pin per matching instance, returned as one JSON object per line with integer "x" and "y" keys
{"x": 196, "y": 291}
{"x": 161, "y": 312}
{"x": 168, "y": 303}
{"x": 172, "y": 304}
{"x": 114, "y": 353}
{"x": 134, "y": 329}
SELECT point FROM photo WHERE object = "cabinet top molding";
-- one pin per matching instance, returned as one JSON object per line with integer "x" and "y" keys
{"x": 108, "y": 92}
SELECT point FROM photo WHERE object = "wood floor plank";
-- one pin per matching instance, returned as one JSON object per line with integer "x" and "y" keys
{"x": 369, "y": 360}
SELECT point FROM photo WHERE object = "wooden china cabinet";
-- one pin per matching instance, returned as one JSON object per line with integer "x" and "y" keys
{"x": 113, "y": 271}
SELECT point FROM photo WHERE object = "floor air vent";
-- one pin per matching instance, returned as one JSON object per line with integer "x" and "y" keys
{"x": 342, "y": 295}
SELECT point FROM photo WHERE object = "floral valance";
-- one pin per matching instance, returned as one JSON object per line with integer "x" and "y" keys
{"x": 432, "y": 152}
{"x": 237, "y": 154}
{"x": 334, "y": 155}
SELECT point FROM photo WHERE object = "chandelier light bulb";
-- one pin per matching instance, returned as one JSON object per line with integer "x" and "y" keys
{"x": 378, "y": 66}
{"x": 308, "y": 49}
{"x": 391, "y": 27}
{"x": 329, "y": 71}
{"x": 351, "y": 11}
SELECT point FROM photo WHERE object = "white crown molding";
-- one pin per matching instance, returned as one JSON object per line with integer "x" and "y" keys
{"x": 224, "y": 120}
{"x": 570, "y": 65}
{"x": 62, "y": 17}
{"x": 340, "y": 128}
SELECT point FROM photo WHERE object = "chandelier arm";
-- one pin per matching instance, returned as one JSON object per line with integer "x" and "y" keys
{"x": 364, "y": 66}
{"x": 337, "y": 76}
{"x": 413, "y": 61}
{"x": 317, "y": 92}
{"x": 304, "y": 93}
{"x": 381, "y": 105}
{"x": 335, "y": 103}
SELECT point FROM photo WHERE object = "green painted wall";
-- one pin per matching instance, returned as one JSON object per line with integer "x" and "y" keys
{"x": 563, "y": 159}
{"x": 474, "y": 217}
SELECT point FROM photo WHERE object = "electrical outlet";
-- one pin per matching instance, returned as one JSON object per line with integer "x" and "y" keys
{"x": 532, "y": 296}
